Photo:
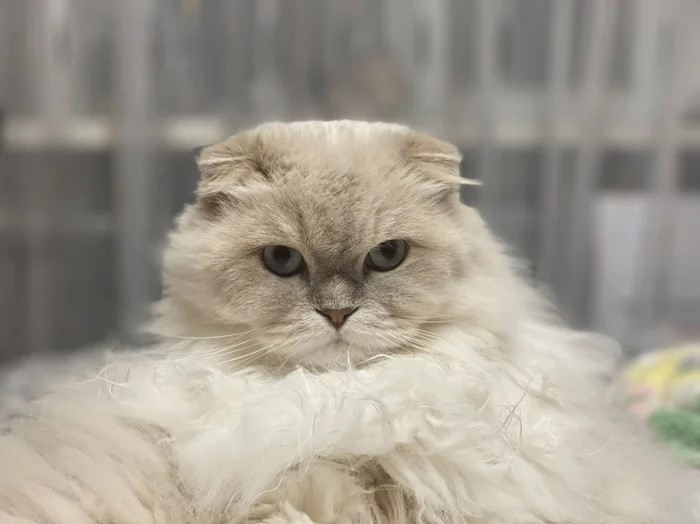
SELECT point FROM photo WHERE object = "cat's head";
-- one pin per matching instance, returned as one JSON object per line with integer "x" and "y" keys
{"x": 319, "y": 243}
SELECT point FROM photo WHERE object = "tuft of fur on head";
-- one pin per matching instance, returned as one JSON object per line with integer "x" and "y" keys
{"x": 333, "y": 191}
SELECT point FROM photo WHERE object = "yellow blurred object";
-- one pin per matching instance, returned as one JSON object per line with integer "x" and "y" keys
{"x": 669, "y": 377}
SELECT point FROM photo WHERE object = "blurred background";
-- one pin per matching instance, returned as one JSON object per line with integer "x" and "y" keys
{"x": 581, "y": 117}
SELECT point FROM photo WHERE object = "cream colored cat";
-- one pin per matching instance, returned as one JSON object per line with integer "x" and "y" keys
{"x": 342, "y": 342}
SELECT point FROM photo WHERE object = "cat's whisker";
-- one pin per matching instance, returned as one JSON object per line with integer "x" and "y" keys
{"x": 203, "y": 337}
{"x": 289, "y": 357}
{"x": 422, "y": 341}
{"x": 472, "y": 335}
{"x": 229, "y": 351}
{"x": 426, "y": 319}
{"x": 392, "y": 339}
{"x": 373, "y": 358}
{"x": 426, "y": 342}
{"x": 254, "y": 354}
{"x": 247, "y": 360}
{"x": 349, "y": 360}
{"x": 232, "y": 348}
{"x": 443, "y": 339}
{"x": 430, "y": 335}
{"x": 243, "y": 358}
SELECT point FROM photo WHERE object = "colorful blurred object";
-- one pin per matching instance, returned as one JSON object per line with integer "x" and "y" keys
{"x": 663, "y": 388}
{"x": 669, "y": 377}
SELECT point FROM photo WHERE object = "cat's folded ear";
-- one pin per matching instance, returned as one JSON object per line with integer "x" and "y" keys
{"x": 437, "y": 161}
{"x": 228, "y": 170}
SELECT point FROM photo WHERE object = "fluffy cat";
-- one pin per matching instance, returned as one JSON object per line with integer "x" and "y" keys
{"x": 341, "y": 342}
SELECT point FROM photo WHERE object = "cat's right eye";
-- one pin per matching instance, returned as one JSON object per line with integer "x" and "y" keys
{"x": 387, "y": 255}
{"x": 283, "y": 261}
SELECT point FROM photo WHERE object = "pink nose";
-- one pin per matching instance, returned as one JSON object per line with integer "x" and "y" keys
{"x": 337, "y": 317}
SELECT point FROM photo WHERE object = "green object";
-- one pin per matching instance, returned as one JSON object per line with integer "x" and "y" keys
{"x": 680, "y": 430}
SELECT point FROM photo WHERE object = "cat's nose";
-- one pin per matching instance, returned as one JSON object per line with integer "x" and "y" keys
{"x": 337, "y": 317}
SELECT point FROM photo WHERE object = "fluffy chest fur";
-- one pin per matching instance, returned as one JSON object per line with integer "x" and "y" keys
{"x": 443, "y": 437}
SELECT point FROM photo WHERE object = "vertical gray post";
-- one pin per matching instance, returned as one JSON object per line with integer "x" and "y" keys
{"x": 432, "y": 72}
{"x": 654, "y": 258}
{"x": 134, "y": 159}
{"x": 5, "y": 13}
{"x": 560, "y": 40}
{"x": 595, "y": 83}
{"x": 399, "y": 16}
{"x": 7, "y": 244}
{"x": 488, "y": 166}
{"x": 267, "y": 94}
{"x": 400, "y": 39}
{"x": 54, "y": 90}
{"x": 238, "y": 36}
{"x": 645, "y": 53}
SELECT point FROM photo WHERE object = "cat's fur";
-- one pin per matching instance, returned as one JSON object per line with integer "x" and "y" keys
{"x": 453, "y": 394}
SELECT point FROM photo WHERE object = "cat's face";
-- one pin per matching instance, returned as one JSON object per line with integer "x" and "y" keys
{"x": 321, "y": 243}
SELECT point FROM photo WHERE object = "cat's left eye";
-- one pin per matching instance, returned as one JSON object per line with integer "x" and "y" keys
{"x": 387, "y": 255}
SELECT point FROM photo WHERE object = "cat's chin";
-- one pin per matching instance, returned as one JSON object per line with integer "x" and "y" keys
{"x": 334, "y": 351}
{"x": 337, "y": 355}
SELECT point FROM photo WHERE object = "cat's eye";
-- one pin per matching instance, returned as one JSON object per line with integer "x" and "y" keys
{"x": 282, "y": 260}
{"x": 387, "y": 255}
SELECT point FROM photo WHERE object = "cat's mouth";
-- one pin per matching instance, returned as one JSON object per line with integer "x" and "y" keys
{"x": 339, "y": 337}
{"x": 320, "y": 345}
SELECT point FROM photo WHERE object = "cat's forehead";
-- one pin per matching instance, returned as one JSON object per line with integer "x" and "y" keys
{"x": 333, "y": 183}
{"x": 340, "y": 209}
{"x": 340, "y": 185}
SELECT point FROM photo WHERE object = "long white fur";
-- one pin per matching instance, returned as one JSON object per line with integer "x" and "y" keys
{"x": 467, "y": 439}
{"x": 499, "y": 416}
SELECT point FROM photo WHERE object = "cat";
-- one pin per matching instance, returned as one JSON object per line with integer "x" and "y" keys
{"x": 340, "y": 341}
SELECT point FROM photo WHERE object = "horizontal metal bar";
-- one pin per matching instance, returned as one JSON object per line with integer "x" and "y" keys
{"x": 91, "y": 224}
{"x": 100, "y": 133}
{"x": 187, "y": 133}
